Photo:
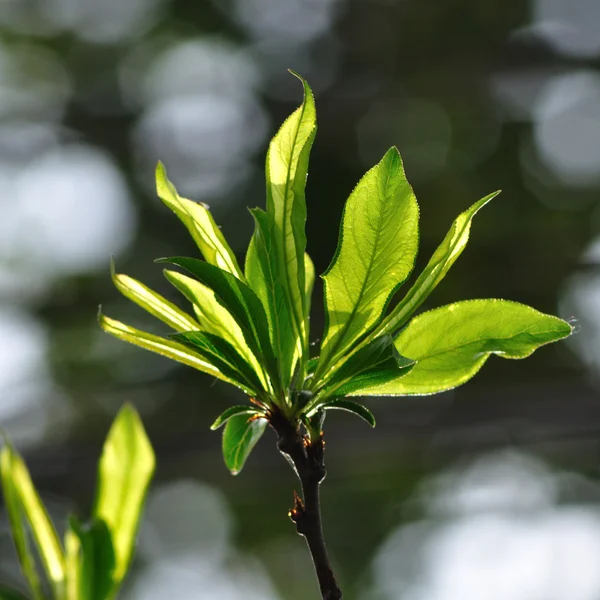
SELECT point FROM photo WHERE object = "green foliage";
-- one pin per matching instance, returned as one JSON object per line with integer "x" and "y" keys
{"x": 251, "y": 328}
{"x": 96, "y": 555}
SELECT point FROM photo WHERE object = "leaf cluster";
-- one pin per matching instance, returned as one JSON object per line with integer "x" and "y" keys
{"x": 250, "y": 325}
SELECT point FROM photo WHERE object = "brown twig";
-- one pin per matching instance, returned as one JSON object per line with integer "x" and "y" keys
{"x": 307, "y": 458}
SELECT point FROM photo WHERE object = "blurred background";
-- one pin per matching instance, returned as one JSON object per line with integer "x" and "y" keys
{"x": 489, "y": 491}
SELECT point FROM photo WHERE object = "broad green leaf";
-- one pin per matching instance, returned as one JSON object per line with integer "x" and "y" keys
{"x": 451, "y": 343}
{"x": 124, "y": 473}
{"x": 7, "y": 593}
{"x": 354, "y": 407}
{"x": 309, "y": 281}
{"x": 240, "y": 435}
{"x": 90, "y": 560}
{"x": 232, "y": 411}
{"x": 225, "y": 357}
{"x": 15, "y": 517}
{"x": 241, "y": 302}
{"x": 200, "y": 223}
{"x": 43, "y": 532}
{"x": 212, "y": 316}
{"x": 163, "y": 346}
{"x": 376, "y": 252}
{"x": 263, "y": 275}
{"x": 443, "y": 258}
{"x": 286, "y": 172}
{"x": 152, "y": 302}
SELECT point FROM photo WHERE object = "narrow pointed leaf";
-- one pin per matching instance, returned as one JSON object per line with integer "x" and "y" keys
{"x": 451, "y": 343}
{"x": 232, "y": 411}
{"x": 169, "y": 348}
{"x": 200, "y": 223}
{"x": 376, "y": 252}
{"x": 440, "y": 263}
{"x": 354, "y": 407}
{"x": 286, "y": 172}
{"x": 152, "y": 302}
{"x": 124, "y": 473}
{"x": 224, "y": 356}
{"x": 309, "y": 281}
{"x": 240, "y": 436}
{"x": 240, "y": 301}
{"x": 263, "y": 275}
{"x": 17, "y": 526}
{"x": 212, "y": 316}
{"x": 43, "y": 532}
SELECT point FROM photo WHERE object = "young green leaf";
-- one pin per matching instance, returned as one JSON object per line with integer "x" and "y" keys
{"x": 152, "y": 302}
{"x": 451, "y": 343}
{"x": 200, "y": 223}
{"x": 15, "y": 518}
{"x": 241, "y": 302}
{"x": 225, "y": 357}
{"x": 309, "y": 280}
{"x": 263, "y": 275}
{"x": 239, "y": 438}
{"x": 376, "y": 252}
{"x": 232, "y": 411}
{"x": 353, "y": 407}
{"x": 31, "y": 508}
{"x": 124, "y": 473}
{"x": 286, "y": 172}
{"x": 440, "y": 263}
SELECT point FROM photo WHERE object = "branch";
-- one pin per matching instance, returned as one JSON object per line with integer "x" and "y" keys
{"x": 307, "y": 458}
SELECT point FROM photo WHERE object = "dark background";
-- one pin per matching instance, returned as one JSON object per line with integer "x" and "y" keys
{"x": 490, "y": 491}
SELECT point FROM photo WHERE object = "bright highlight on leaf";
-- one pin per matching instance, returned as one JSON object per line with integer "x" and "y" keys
{"x": 251, "y": 328}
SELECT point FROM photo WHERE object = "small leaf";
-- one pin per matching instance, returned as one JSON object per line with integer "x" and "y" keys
{"x": 232, "y": 411}
{"x": 124, "y": 473}
{"x": 15, "y": 518}
{"x": 163, "y": 346}
{"x": 440, "y": 263}
{"x": 241, "y": 302}
{"x": 451, "y": 343}
{"x": 286, "y": 172}
{"x": 200, "y": 223}
{"x": 376, "y": 252}
{"x": 309, "y": 280}
{"x": 152, "y": 302}
{"x": 225, "y": 357}
{"x": 31, "y": 508}
{"x": 239, "y": 438}
{"x": 354, "y": 407}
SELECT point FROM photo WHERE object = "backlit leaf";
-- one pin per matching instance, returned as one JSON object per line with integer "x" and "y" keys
{"x": 124, "y": 473}
{"x": 200, "y": 223}
{"x": 232, "y": 411}
{"x": 376, "y": 252}
{"x": 451, "y": 343}
{"x": 240, "y": 435}
{"x": 353, "y": 407}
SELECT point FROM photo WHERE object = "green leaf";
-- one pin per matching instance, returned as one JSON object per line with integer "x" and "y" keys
{"x": 438, "y": 266}
{"x": 354, "y": 407}
{"x": 90, "y": 561}
{"x": 239, "y": 438}
{"x": 200, "y": 223}
{"x": 374, "y": 364}
{"x": 124, "y": 473}
{"x": 152, "y": 302}
{"x": 232, "y": 411}
{"x": 286, "y": 172}
{"x": 376, "y": 252}
{"x": 241, "y": 302}
{"x": 213, "y": 317}
{"x": 7, "y": 593}
{"x": 31, "y": 508}
{"x": 225, "y": 357}
{"x": 163, "y": 346}
{"x": 451, "y": 343}
{"x": 263, "y": 275}
{"x": 15, "y": 517}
